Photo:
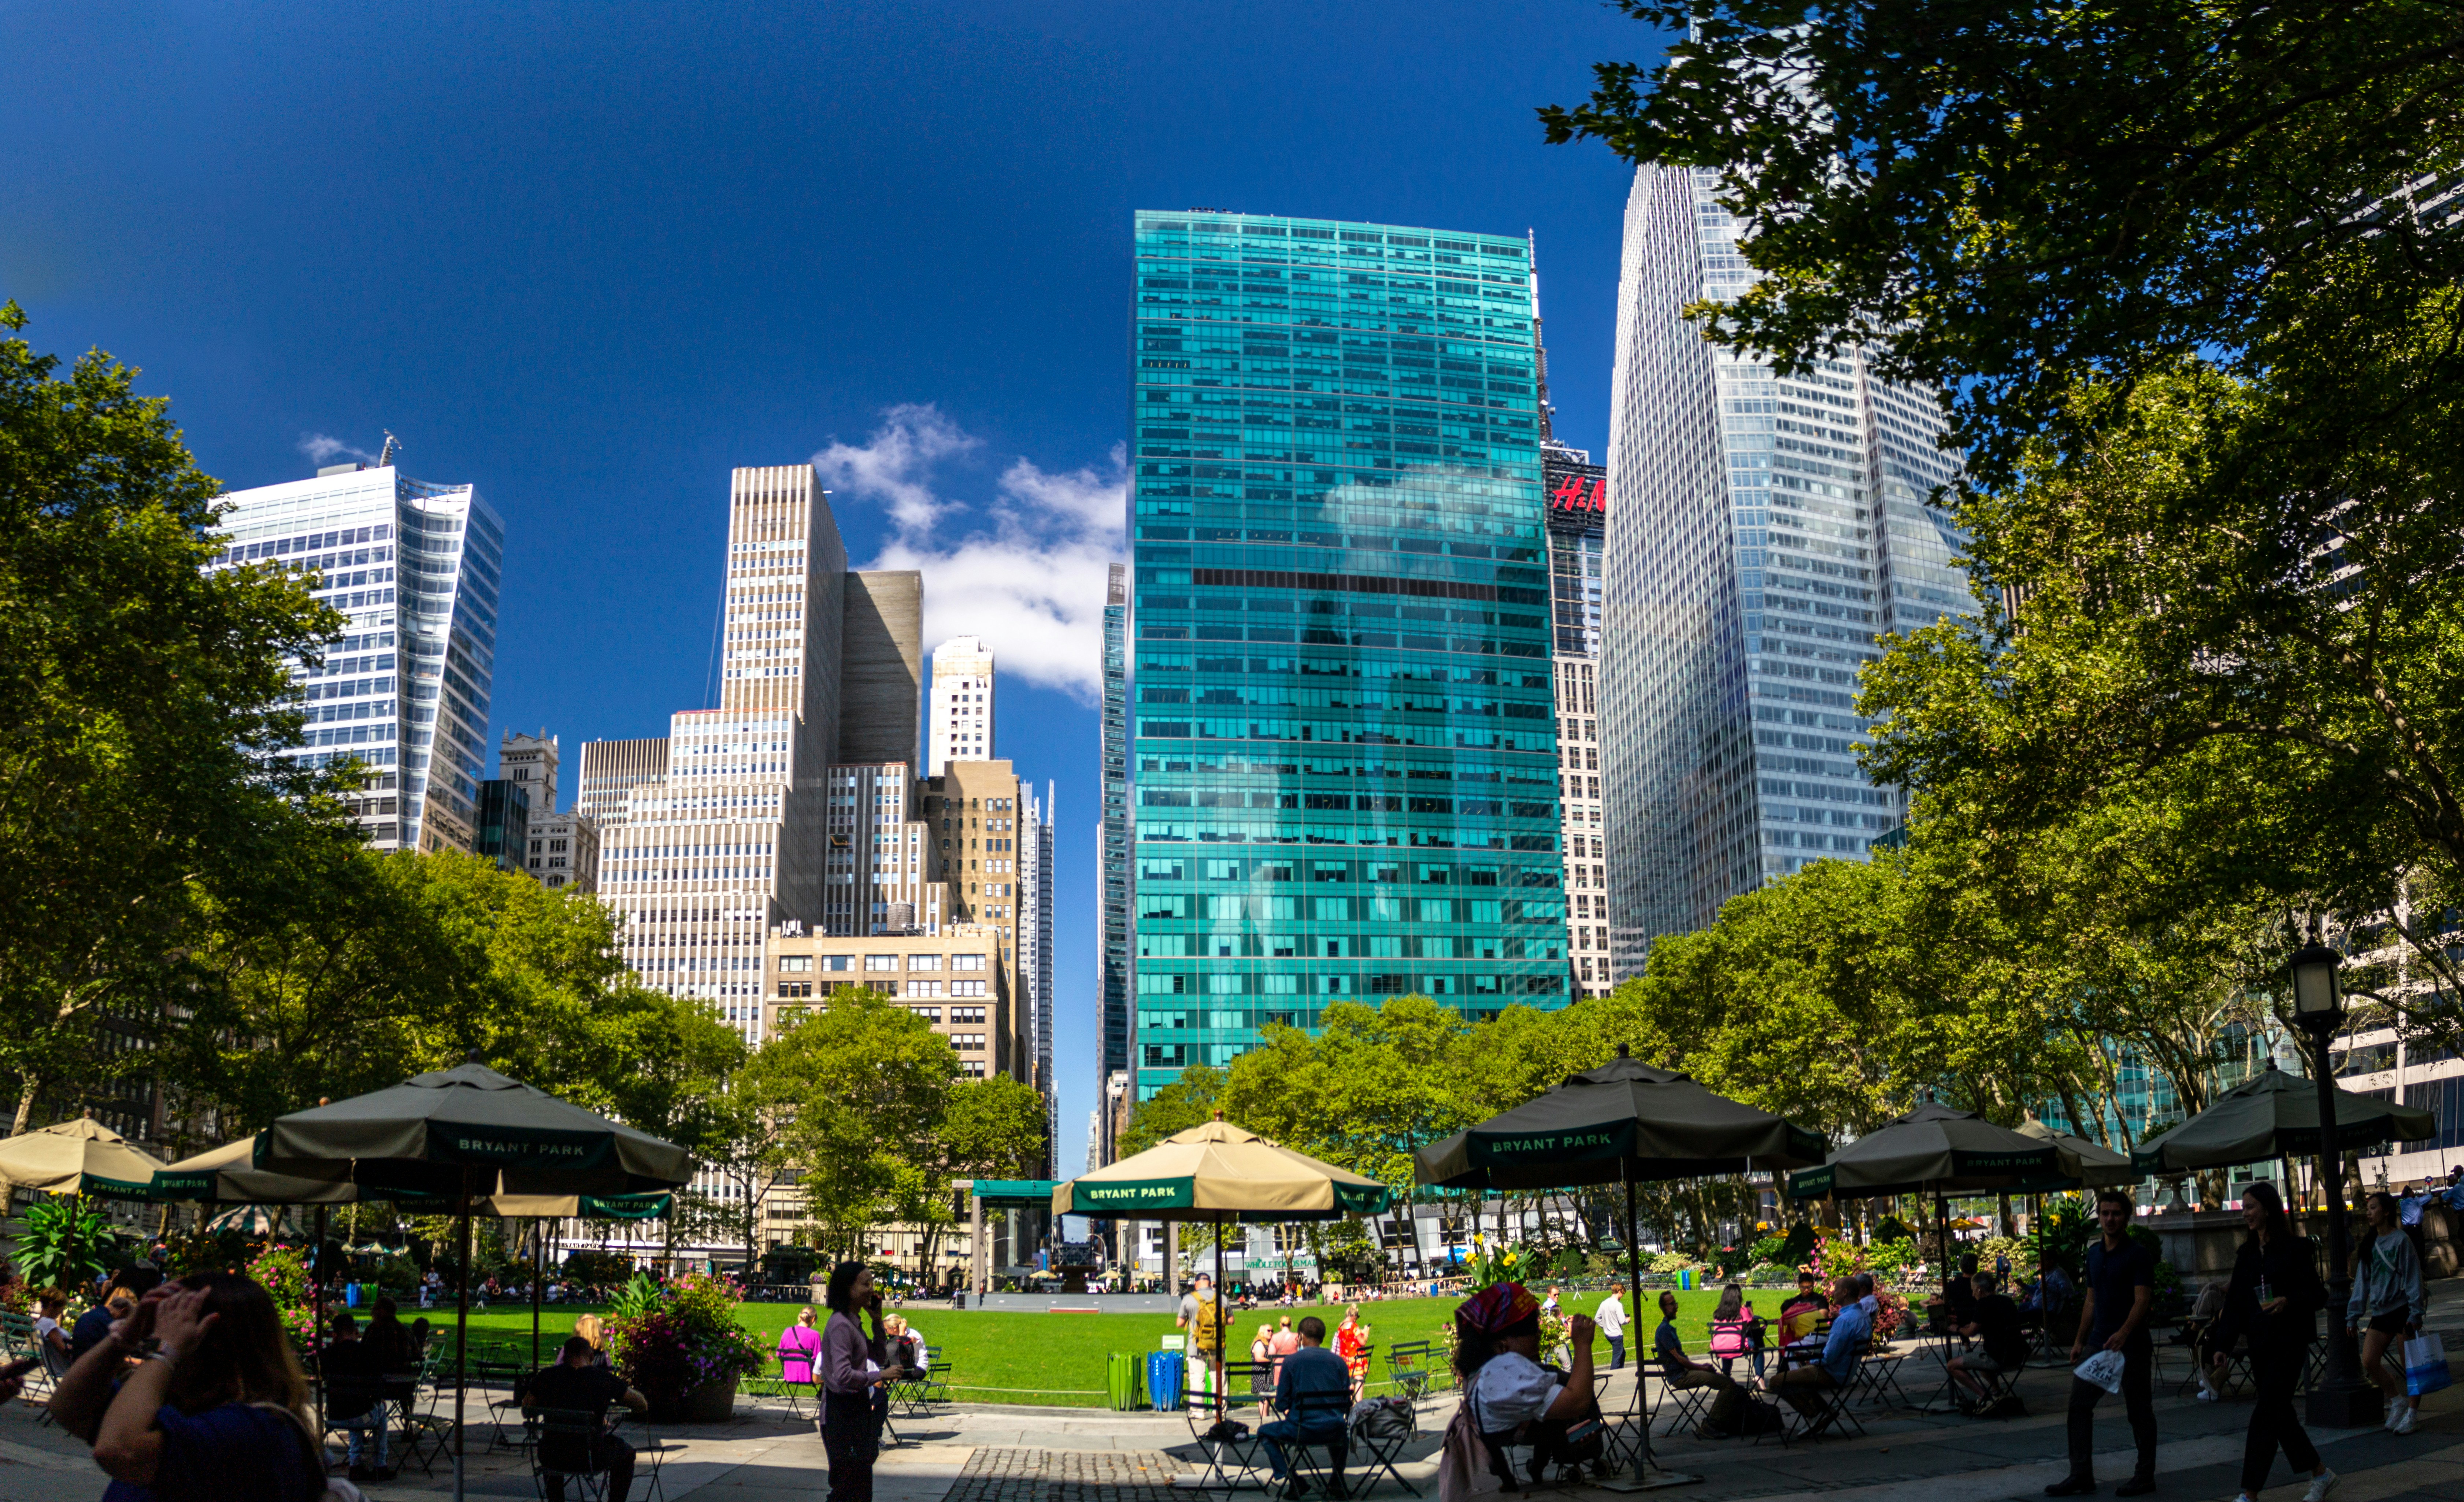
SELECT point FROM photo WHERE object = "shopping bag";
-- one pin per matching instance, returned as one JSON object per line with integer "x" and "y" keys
{"x": 2425, "y": 1365}
{"x": 2103, "y": 1369}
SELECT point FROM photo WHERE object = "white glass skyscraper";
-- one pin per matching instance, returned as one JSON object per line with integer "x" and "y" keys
{"x": 415, "y": 569}
{"x": 1766, "y": 530}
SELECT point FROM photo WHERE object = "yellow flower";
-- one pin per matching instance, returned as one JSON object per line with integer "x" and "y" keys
{"x": 1509, "y": 1259}
{"x": 1478, "y": 1240}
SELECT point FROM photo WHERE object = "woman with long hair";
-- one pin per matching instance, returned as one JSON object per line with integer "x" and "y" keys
{"x": 216, "y": 1394}
{"x": 2274, "y": 1301}
{"x": 2388, "y": 1302}
{"x": 853, "y": 1367}
{"x": 387, "y": 1338}
{"x": 1735, "y": 1331}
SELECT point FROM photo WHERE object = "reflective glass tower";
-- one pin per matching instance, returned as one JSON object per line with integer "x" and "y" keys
{"x": 415, "y": 569}
{"x": 1765, "y": 531}
{"x": 1342, "y": 755}
{"x": 1112, "y": 997}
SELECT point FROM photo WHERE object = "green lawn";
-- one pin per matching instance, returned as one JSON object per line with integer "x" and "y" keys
{"x": 1005, "y": 1355}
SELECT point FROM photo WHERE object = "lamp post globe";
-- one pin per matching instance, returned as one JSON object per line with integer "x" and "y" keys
{"x": 2342, "y": 1397}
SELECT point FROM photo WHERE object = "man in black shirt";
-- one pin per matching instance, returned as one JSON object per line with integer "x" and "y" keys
{"x": 574, "y": 1384}
{"x": 2121, "y": 1285}
{"x": 354, "y": 1374}
{"x": 1959, "y": 1292}
{"x": 2002, "y": 1345}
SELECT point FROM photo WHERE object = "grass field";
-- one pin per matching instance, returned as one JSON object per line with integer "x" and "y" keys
{"x": 1006, "y": 1356}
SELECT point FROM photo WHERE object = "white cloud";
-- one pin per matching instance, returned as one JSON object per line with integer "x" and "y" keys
{"x": 322, "y": 447}
{"x": 1028, "y": 579}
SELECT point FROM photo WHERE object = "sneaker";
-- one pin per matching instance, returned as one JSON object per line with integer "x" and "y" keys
{"x": 2392, "y": 1405}
{"x": 2402, "y": 1424}
{"x": 2320, "y": 1485}
{"x": 2207, "y": 1394}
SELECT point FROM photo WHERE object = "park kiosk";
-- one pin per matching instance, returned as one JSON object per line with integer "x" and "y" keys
{"x": 1624, "y": 1122}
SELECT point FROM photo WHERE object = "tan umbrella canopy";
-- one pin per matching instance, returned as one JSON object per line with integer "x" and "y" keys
{"x": 1216, "y": 1171}
{"x": 2275, "y": 1114}
{"x": 79, "y": 1157}
{"x": 2094, "y": 1168}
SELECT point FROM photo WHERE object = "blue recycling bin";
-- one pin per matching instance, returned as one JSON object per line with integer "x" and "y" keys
{"x": 1163, "y": 1379}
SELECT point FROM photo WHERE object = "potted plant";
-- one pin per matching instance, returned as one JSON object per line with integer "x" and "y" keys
{"x": 683, "y": 1348}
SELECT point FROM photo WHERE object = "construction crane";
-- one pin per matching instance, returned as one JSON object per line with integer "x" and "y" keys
{"x": 385, "y": 455}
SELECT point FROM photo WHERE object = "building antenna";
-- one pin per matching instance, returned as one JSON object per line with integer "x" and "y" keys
{"x": 392, "y": 445}
{"x": 1539, "y": 345}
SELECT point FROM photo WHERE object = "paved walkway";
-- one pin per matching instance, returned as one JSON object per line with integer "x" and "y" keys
{"x": 1011, "y": 1455}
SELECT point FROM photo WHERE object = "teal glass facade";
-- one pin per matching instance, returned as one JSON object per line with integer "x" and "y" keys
{"x": 1342, "y": 749}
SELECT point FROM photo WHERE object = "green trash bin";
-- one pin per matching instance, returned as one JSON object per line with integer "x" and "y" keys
{"x": 1121, "y": 1381}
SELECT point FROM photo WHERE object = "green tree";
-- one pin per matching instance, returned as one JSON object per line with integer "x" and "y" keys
{"x": 1185, "y": 1101}
{"x": 856, "y": 1092}
{"x": 145, "y": 702}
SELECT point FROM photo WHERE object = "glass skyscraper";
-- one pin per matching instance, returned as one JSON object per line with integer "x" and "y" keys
{"x": 1765, "y": 531}
{"x": 1113, "y": 996}
{"x": 415, "y": 569}
{"x": 1342, "y": 754}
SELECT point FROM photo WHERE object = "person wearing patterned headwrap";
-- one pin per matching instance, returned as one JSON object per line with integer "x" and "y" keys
{"x": 1512, "y": 1397}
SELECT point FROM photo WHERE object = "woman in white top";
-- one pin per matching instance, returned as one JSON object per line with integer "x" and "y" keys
{"x": 1507, "y": 1391}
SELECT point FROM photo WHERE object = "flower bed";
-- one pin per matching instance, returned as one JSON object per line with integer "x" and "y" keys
{"x": 682, "y": 1341}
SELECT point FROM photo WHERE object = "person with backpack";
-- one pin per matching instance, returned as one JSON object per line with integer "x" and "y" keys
{"x": 1203, "y": 1315}
{"x": 214, "y": 1399}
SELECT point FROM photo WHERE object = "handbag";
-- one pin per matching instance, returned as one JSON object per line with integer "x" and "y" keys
{"x": 2425, "y": 1365}
{"x": 2103, "y": 1369}
{"x": 1462, "y": 1471}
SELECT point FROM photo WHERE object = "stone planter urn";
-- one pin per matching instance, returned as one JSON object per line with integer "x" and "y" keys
{"x": 711, "y": 1404}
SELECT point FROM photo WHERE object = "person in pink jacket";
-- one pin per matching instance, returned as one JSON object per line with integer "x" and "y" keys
{"x": 799, "y": 1345}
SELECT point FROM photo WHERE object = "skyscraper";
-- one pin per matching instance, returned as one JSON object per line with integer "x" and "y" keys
{"x": 727, "y": 838}
{"x": 1578, "y": 526}
{"x": 1114, "y": 1013}
{"x": 1035, "y": 946}
{"x": 415, "y": 569}
{"x": 961, "y": 725}
{"x": 1766, "y": 530}
{"x": 564, "y": 847}
{"x": 1342, "y": 759}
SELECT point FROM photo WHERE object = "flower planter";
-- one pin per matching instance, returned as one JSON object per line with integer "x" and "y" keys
{"x": 712, "y": 1402}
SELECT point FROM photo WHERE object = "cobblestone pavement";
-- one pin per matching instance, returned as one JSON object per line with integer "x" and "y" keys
{"x": 1064, "y": 1475}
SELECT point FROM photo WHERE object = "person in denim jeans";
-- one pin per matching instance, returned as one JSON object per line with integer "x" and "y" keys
{"x": 358, "y": 1369}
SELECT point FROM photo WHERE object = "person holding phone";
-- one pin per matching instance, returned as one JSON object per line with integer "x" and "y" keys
{"x": 2274, "y": 1301}
{"x": 852, "y": 1375}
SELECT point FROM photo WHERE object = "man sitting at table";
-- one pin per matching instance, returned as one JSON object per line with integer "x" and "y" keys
{"x": 1959, "y": 1292}
{"x": 2002, "y": 1346}
{"x": 354, "y": 1373}
{"x": 577, "y": 1385}
{"x": 1681, "y": 1371}
{"x": 1310, "y": 1369}
{"x": 1803, "y": 1387}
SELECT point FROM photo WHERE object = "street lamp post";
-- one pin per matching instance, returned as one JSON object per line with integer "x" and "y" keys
{"x": 2341, "y": 1400}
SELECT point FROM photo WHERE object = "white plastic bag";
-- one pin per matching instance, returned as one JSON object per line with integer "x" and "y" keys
{"x": 2425, "y": 1364}
{"x": 2103, "y": 1369}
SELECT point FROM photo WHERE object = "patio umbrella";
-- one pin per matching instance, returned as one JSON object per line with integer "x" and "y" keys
{"x": 1220, "y": 1173}
{"x": 466, "y": 1132}
{"x": 1624, "y": 1122}
{"x": 2091, "y": 1165}
{"x": 227, "y": 1175}
{"x": 76, "y": 1157}
{"x": 2275, "y": 1114}
{"x": 1935, "y": 1150}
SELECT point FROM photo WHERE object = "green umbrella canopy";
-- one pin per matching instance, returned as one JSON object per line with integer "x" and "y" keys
{"x": 1215, "y": 1171}
{"x": 227, "y": 1175}
{"x": 2272, "y": 1114}
{"x": 1625, "y": 1119}
{"x": 424, "y": 1133}
{"x": 2085, "y": 1166}
{"x": 1934, "y": 1149}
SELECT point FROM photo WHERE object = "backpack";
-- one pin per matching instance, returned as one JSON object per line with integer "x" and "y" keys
{"x": 1207, "y": 1329}
{"x": 1462, "y": 1460}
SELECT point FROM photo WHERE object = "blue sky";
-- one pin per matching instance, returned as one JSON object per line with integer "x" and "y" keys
{"x": 592, "y": 256}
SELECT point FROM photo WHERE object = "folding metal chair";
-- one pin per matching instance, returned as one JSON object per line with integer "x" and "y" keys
{"x": 935, "y": 1386}
{"x": 515, "y": 1422}
{"x": 1683, "y": 1407}
{"x": 1327, "y": 1413}
{"x": 1221, "y": 1437}
{"x": 572, "y": 1449}
{"x": 1878, "y": 1376}
{"x": 1382, "y": 1449}
{"x": 1409, "y": 1368}
{"x": 1832, "y": 1413}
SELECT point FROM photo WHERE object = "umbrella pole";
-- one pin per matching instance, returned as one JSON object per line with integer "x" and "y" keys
{"x": 539, "y": 1260}
{"x": 461, "y": 1330}
{"x": 1222, "y": 1306}
{"x": 1634, "y": 1287}
{"x": 317, "y": 1303}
